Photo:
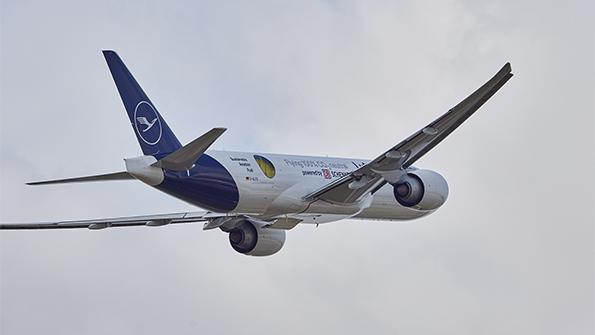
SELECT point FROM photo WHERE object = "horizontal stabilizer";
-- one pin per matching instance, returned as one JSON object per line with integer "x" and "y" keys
{"x": 183, "y": 158}
{"x": 100, "y": 177}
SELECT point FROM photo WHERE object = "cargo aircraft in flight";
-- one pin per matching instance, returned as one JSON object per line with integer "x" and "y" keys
{"x": 257, "y": 197}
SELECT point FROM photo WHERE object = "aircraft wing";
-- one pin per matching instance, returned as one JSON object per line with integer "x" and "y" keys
{"x": 391, "y": 165}
{"x": 127, "y": 221}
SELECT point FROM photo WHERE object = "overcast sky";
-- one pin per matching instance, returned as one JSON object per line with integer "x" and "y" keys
{"x": 511, "y": 252}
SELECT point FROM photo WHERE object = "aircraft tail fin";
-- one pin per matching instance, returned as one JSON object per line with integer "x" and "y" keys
{"x": 152, "y": 132}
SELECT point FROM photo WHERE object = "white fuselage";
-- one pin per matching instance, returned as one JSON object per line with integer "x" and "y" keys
{"x": 296, "y": 176}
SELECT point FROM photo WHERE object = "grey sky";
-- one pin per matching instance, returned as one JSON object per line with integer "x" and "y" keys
{"x": 511, "y": 252}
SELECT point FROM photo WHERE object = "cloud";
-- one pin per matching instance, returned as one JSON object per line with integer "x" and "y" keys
{"x": 510, "y": 252}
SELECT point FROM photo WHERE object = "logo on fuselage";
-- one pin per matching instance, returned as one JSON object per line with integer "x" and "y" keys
{"x": 147, "y": 123}
{"x": 265, "y": 166}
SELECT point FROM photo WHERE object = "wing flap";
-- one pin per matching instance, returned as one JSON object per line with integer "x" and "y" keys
{"x": 391, "y": 165}
{"x": 128, "y": 221}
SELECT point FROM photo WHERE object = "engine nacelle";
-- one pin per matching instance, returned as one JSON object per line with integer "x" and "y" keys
{"x": 250, "y": 238}
{"x": 421, "y": 189}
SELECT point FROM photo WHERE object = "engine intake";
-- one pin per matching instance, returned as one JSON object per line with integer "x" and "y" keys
{"x": 421, "y": 189}
{"x": 250, "y": 238}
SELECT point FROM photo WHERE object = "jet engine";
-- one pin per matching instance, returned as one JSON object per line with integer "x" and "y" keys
{"x": 250, "y": 238}
{"x": 421, "y": 189}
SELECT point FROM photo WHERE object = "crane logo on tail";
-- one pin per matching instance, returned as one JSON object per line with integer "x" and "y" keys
{"x": 143, "y": 120}
{"x": 147, "y": 123}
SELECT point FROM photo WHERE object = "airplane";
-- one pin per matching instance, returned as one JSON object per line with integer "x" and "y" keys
{"x": 257, "y": 197}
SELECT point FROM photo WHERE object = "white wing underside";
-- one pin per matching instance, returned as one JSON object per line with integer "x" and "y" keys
{"x": 211, "y": 220}
{"x": 128, "y": 221}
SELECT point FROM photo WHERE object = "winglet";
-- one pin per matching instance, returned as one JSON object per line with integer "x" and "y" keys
{"x": 183, "y": 158}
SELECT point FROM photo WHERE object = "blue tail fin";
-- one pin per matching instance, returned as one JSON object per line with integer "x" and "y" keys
{"x": 153, "y": 134}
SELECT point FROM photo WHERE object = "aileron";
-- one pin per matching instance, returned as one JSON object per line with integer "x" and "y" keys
{"x": 391, "y": 165}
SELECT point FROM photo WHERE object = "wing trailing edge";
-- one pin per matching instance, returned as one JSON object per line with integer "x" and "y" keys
{"x": 391, "y": 165}
{"x": 128, "y": 221}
